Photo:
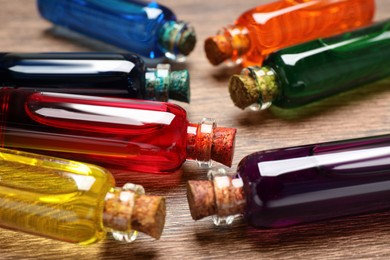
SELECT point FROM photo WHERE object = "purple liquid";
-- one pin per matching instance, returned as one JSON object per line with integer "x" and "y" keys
{"x": 307, "y": 183}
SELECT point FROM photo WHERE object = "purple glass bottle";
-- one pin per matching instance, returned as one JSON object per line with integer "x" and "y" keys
{"x": 283, "y": 187}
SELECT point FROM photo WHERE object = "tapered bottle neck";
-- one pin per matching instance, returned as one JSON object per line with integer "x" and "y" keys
{"x": 127, "y": 210}
{"x": 206, "y": 142}
{"x": 256, "y": 87}
{"x": 230, "y": 43}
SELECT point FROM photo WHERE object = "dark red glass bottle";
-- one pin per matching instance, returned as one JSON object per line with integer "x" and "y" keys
{"x": 135, "y": 135}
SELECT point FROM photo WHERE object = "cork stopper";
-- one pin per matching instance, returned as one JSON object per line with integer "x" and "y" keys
{"x": 222, "y": 196}
{"x": 207, "y": 142}
{"x": 186, "y": 42}
{"x": 243, "y": 90}
{"x": 231, "y": 43}
{"x": 222, "y": 149}
{"x": 201, "y": 199}
{"x": 179, "y": 87}
{"x": 125, "y": 210}
{"x": 149, "y": 215}
{"x": 161, "y": 83}
{"x": 177, "y": 38}
{"x": 218, "y": 49}
{"x": 255, "y": 85}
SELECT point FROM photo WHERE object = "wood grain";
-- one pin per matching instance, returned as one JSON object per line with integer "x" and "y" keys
{"x": 361, "y": 112}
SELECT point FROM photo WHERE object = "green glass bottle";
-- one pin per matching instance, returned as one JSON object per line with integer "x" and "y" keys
{"x": 314, "y": 70}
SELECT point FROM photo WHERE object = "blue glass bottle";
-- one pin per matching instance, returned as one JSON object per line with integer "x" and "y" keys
{"x": 142, "y": 27}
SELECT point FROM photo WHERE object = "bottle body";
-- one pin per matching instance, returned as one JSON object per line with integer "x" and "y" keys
{"x": 52, "y": 197}
{"x": 320, "y": 68}
{"x": 307, "y": 183}
{"x": 78, "y": 73}
{"x": 136, "y": 135}
{"x": 103, "y": 74}
{"x": 285, "y": 23}
{"x": 135, "y": 26}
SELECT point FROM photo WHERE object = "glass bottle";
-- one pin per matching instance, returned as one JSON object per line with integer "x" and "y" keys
{"x": 111, "y": 74}
{"x": 314, "y": 70}
{"x": 146, "y": 28}
{"x": 288, "y": 186}
{"x": 270, "y": 27}
{"x": 137, "y": 135}
{"x": 72, "y": 201}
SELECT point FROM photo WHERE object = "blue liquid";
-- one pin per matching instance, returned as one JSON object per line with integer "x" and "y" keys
{"x": 131, "y": 25}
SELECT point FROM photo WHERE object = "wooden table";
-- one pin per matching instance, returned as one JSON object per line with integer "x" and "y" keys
{"x": 358, "y": 113}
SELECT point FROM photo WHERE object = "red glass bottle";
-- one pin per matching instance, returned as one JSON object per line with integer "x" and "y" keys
{"x": 270, "y": 27}
{"x": 137, "y": 135}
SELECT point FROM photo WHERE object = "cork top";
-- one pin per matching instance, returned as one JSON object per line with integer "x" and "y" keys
{"x": 207, "y": 142}
{"x": 187, "y": 41}
{"x": 255, "y": 85}
{"x": 218, "y": 49}
{"x": 222, "y": 149}
{"x": 222, "y": 196}
{"x": 201, "y": 199}
{"x": 125, "y": 210}
{"x": 179, "y": 87}
{"x": 149, "y": 215}
{"x": 161, "y": 83}
{"x": 243, "y": 90}
{"x": 231, "y": 43}
{"x": 177, "y": 38}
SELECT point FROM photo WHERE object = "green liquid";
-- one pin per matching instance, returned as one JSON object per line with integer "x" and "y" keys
{"x": 314, "y": 70}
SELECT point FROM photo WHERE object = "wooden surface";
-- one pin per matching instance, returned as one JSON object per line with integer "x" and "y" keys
{"x": 361, "y": 112}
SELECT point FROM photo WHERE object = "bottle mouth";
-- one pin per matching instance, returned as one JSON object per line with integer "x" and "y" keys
{"x": 177, "y": 39}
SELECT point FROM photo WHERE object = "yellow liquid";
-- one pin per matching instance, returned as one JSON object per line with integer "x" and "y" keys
{"x": 52, "y": 197}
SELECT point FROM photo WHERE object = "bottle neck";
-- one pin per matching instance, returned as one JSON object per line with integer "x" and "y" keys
{"x": 127, "y": 210}
{"x": 161, "y": 84}
{"x": 177, "y": 39}
{"x": 206, "y": 142}
{"x": 256, "y": 87}
{"x": 231, "y": 43}
{"x": 222, "y": 196}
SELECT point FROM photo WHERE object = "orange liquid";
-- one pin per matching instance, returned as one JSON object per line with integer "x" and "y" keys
{"x": 285, "y": 23}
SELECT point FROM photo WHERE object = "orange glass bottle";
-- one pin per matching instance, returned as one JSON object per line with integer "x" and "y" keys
{"x": 271, "y": 27}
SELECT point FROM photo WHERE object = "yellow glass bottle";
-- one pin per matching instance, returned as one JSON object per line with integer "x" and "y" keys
{"x": 72, "y": 201}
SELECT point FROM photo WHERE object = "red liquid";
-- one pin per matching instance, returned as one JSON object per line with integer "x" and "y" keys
{"x": 135, "y": 135}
